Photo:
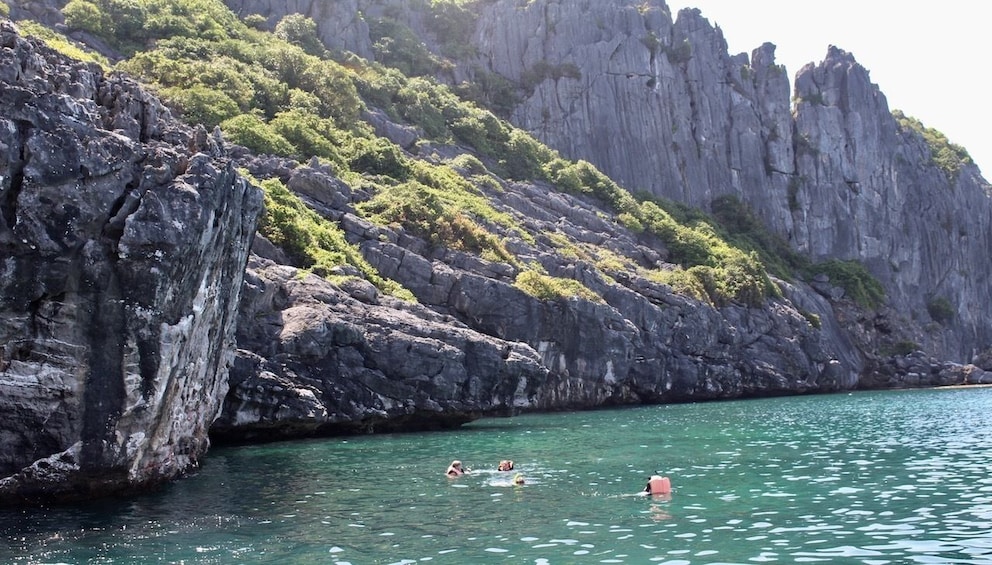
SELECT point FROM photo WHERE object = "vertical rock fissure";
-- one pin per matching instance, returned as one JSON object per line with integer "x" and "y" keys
{"x": 8, "y": 205}
{"x": 104, "y": 393}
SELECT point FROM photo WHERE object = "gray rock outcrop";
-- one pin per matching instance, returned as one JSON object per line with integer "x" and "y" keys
{"x": 322, "y": 358}
{"x": 340, "y": 24}
{"x": 123, "y": 240}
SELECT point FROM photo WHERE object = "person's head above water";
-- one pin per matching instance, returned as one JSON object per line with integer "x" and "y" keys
{"x": 505, "y": 465}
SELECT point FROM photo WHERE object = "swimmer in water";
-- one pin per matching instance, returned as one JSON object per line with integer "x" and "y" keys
{"x": 658, "y": 485}
{"x": 455, "y": 469}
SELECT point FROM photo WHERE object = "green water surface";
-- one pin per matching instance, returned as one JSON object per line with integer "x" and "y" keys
{"x": 873, "y": 478}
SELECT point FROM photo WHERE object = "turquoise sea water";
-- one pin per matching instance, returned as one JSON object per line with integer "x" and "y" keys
{"x": 887, "y": 477}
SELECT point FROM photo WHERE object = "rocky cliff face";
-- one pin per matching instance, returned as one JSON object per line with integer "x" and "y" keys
{"x": 322, "y": 358}
{"x": 660, "y": 105}
{"x": 663, "y": 107}
{"x": 123, "y": 240}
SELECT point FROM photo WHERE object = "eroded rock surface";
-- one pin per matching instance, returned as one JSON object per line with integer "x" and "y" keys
{"x": 123, "y": 240}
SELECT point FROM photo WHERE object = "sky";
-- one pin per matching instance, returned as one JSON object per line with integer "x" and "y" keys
{"x": 930, "y": 60}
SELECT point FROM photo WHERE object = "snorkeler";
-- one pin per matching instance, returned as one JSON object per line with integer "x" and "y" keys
{"x": 658, "y": 485}
{"x": 455, "y": 469}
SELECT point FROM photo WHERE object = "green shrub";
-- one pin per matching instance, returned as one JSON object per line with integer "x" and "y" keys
{"x": 813, "y": 319}
{"x": 453, "y": 22}
{"x": 127, "y": 20}
{"x": 4, "y": 10}
{"x": 377, "y": 156}
{"x": 395, "y": 45}
{"x": 256, "y": 21}
{"x": 542, "y": 71}
{"x": 86, "y": 16}
{"x": 480, "y": 130}
{"x": 309, "y": 134}
{"x": 743, "y": 278}
{"x": 60, "y": 43}
{"x": 858, "y": 284}
{"x": 201, "y": 105}
{"x": 301, "y": 31}
{"x": 681, "y": 282}
{"x": 522, "y": 157}
{"x": 900, "y": 348}
{"x": 468, "y": 163}
{"x": 444, "y": 216}
{"x": 312, "y": 242}
{"x": 745, "y": 230}
{"x": 546, "y": 287}
{"x": 332, "y": 85}
{"x": 949, "y": 157}
{"x": 250, "y": 131}
{"x": 940, "y": 310}
{"x": 491, "y": 90}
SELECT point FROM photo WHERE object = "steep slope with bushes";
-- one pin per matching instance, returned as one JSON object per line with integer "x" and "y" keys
{"x": 657, "y": 103}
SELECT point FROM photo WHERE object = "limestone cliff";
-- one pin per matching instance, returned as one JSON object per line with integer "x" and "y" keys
{"x": 659, "y": 104}
{"x": 662, "y": 107}
{"x": 123, "y": 240}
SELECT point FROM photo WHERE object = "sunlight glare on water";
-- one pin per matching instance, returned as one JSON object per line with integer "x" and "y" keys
{"x": 873, "y": 478}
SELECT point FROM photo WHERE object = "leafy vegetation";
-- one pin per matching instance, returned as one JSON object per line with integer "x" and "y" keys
{"x": 442, "y": 207}
{"x": 941, "y": 310}
{"x": 743, "y": 229}
{"x": 858, "y": 284}
{"x": 715, "y": 269}
{"x": 900, "y": 348}
{"x": 311, "y": 241}
{"x": 59, "y": 42}
{"x": 546, "y": 287}
{"x": 949, "y": 157}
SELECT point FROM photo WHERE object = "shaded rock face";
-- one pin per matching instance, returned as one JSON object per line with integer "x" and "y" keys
{"x": 924, "y": 233}
{"x": 123, "y": 239}
{"x": 329, "y": 359}
{"x": 918, "y": 369}
{"x": 661, "y": 106}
